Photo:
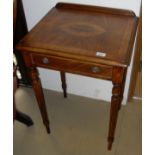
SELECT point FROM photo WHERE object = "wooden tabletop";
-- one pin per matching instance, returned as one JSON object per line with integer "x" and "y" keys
{"x": 84, "y": 32}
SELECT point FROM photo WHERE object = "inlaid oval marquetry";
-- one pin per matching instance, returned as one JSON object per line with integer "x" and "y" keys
{"x": 83, "y": 29}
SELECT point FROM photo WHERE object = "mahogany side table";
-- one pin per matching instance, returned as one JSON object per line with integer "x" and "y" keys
{"x": 86, "y": 40}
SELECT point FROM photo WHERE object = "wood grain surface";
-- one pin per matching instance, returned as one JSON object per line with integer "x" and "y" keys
{"x": 73, "y": 31}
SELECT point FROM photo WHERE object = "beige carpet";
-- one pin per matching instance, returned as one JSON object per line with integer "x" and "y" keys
{"x": 79, "y": 126}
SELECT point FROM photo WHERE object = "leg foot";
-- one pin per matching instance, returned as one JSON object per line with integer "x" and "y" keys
{"x": 110, "y": 141}
{"x": 109, "y": 146}
{"x": 48, "y": 129}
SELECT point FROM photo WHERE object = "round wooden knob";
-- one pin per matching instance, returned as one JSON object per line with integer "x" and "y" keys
{"x": 45, "y": 60}
{"x": 95, "y": 69}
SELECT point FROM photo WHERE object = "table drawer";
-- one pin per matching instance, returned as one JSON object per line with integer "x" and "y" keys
{"x": 73, "y": 66}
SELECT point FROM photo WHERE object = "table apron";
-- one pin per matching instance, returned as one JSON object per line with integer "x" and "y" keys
{"x": 73, "y": 66}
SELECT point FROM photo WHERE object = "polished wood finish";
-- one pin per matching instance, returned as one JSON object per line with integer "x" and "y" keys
{"x": 40, "y": 98}
{"x": 117, "y": 80}
{"x": 95, "y": 9}
{"x": 80, "y": 34}
{"x": 72, "y": 66}
{"x": 36, "y": 84}
{"x": 136, "y": 59}
{"x": 123, "y": 86}
{"x": 85, "y": 40}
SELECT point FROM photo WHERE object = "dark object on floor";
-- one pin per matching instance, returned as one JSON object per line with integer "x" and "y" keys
{"x": 23, "y": 118}
{"x": 17, "y": 115}
{"x": 18, "y": 13}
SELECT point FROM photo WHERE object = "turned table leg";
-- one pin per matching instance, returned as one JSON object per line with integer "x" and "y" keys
{"x": 122, "y": 89}
{"x": 64, "y": 85}
{"x": 39, "y": 96}
{"x": 117, "y": 91}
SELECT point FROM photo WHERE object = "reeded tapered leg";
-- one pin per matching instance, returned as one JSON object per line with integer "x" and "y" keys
{"x": 39, "y": 96}
{"x": 117, "y": 80}
{"x": 64, "y": 85}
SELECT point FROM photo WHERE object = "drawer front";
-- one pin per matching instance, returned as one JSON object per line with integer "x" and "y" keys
{"x": 73, "y": 66}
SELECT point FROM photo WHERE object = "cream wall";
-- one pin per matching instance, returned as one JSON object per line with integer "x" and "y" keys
{"x": 79, "y": 85}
